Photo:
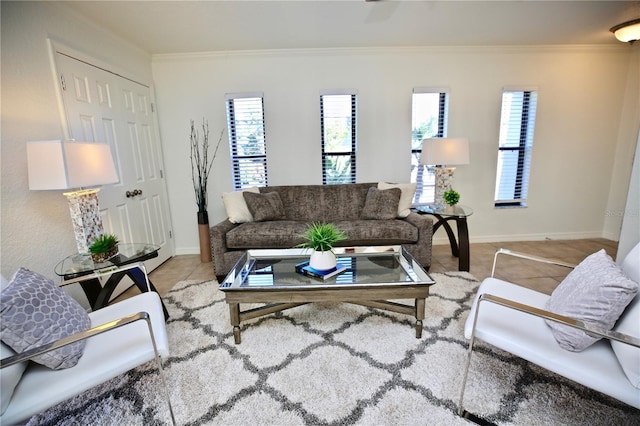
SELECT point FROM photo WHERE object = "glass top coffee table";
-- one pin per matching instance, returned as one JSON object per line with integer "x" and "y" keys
{"x": 373, "y": 275}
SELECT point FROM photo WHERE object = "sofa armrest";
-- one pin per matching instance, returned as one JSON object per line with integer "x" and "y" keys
{"x": 218, "y": 235}
{"x": 421, "y": 250}
{"x": 527, "y": 257}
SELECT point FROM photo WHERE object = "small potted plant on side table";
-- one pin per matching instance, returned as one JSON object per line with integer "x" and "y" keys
{"x": 104, "y": 248}
{"x": 321, "y": 237}
{"x": 451, "y": 197}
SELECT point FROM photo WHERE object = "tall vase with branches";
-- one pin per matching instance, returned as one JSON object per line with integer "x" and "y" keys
{"x": 201, "y": 166}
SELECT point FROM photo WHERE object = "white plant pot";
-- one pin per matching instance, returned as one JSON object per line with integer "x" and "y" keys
{"x": 322, "y": 260}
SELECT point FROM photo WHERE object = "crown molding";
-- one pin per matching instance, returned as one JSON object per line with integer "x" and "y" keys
{"x": 403, "y": 50}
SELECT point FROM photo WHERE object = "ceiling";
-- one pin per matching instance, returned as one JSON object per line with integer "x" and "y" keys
{"x": 197, "y": 26}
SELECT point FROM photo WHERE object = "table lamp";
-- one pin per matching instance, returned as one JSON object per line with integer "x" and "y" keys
{"x": 57, "y": 164}
{"x": 444, "y": 153}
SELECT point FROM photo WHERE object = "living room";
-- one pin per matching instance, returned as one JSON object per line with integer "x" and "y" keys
{"x": 585, "y": 139}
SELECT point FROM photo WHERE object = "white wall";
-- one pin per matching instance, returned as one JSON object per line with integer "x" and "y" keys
{"x": 36, "y": 229}
{"x": 587, "y": 124}
{"x": 584, "y": 125}
{"x": 630, "y": 234}
{"x": 629, "y": 131}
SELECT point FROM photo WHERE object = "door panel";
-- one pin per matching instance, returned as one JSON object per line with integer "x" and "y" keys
{"x": 103, "y": 107}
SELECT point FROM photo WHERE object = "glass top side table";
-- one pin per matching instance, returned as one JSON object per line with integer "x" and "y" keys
{"x": 459, "y": 213}
{"x": 98, "y": 295}
{"x": 81, "y": 264}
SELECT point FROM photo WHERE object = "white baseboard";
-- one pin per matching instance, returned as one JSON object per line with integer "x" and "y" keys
{"x": 187, "y": 250}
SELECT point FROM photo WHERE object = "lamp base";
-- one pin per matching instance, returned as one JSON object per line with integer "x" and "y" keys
{"x": 85, "y": 216}
{"x": 444, "y": 180}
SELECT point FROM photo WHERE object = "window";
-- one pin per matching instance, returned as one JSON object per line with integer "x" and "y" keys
{"x": 338, "y": 130}
{"x": 517, "y": 122}
{"x": 245, "y": 118}
{"x": 429, "y": 111}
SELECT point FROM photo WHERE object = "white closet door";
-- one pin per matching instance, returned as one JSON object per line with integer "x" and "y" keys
{"x": 100, "y": 106}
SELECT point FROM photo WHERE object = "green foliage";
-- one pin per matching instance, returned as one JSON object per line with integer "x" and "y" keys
{"x": 322, "y": 236}
{"x": 426, "y": 129}
{"x": 451, "y": 197}
{"x": 103, "y": 243}
{"x": 338, "y": 169}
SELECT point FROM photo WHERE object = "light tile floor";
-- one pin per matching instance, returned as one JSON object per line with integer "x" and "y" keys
{"x": 534, "y": 275}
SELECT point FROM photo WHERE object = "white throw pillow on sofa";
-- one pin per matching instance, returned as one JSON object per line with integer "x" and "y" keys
{"x": 406, "y": 198}
{"x": 236, "y": 207}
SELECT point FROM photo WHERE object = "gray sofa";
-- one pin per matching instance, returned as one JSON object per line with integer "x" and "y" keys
{"x": 302, "y": 204}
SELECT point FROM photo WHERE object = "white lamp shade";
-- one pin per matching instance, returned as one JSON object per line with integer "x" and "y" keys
{"x": 628, "y": 31}
{"x": 67, "y": 165}
{"x": 445, "y": 151}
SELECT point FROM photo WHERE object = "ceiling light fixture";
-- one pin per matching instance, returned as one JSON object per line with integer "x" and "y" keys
{"x": 627, "y": 31}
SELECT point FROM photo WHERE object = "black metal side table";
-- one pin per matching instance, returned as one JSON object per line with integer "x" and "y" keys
{"x": 77, "y": 265}
{"x": 459, "y": 248}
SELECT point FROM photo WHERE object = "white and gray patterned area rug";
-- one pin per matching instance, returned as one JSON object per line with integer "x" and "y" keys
{"x": 334, "y": 364}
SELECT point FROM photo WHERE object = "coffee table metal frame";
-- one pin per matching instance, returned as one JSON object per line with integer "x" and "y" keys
{"x": 414, "y": 284}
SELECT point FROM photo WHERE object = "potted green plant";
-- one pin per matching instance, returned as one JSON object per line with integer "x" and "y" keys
{"x": 451, "y": 197}
{"x": 104, "y": 247}
{"x": 321, "y": 237}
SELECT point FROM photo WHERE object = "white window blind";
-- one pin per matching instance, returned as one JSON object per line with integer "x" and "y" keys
{"x": 338, "y": 130}
{"x": 429, "y": 115}
{"x": 517, "y": 124}
{"x": 245, "y": 119}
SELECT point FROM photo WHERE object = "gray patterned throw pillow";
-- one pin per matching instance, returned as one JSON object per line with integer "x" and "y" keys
{"x": 264, "y": 207}
{"x": 596, "y": 292}
{"x": 381, "y": 204}
{"x": 34, "y": 311}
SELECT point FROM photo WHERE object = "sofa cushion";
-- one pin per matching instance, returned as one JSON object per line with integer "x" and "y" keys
{"x": 264, "y": 207}
{"x": 34, "y": 311}
{"x": 381, "y": 204}
{"x": 322, "y": 203}
{"x": 377, "y": 232}
{"x": 406, "y": 199}
{"x": 236, "y": 206}
{"x": 287, "y": 233}
{"x": 272, "y": 234}
{"x": 596, "y": 292}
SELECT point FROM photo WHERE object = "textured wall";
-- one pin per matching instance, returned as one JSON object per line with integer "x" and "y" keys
{"x": 36, "y": 229}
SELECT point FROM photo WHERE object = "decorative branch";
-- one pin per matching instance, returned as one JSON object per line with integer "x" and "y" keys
{"x": 200, "y": 163}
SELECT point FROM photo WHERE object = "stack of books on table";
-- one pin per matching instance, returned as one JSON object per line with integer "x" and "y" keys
{"x": 304, "y": 269}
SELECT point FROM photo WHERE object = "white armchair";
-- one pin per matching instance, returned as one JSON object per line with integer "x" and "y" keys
{"x": 512, "y": 318}
{"x": 122, "y": 336}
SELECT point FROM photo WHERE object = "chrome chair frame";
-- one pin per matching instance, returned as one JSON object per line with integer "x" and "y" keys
{"x": 94, "y": 331}
{"x": 571, "y": 322}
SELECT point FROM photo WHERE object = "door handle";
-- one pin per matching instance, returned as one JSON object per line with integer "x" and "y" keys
{"x": 133, "y": 193}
